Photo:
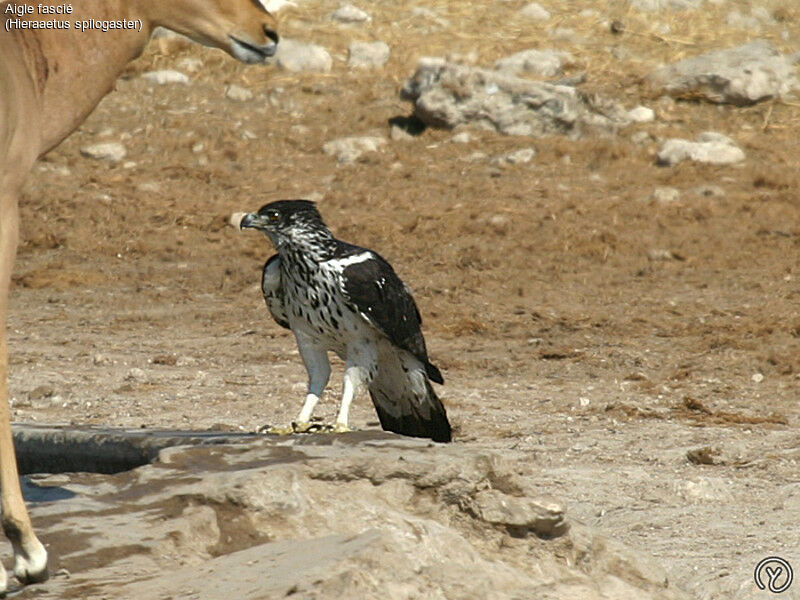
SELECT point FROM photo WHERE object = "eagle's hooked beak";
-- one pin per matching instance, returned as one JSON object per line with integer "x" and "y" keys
{"x": 250, "y": 221}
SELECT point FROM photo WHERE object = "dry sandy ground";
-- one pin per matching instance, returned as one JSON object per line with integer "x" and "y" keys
{"x": 558, "y": 334}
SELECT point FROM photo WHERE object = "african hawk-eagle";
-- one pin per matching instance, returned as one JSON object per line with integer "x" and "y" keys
{"x": 338, "y": 297}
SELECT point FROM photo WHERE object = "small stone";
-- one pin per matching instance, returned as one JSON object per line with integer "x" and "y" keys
{"x": 367, "y": 55}
{"x": 148, "y": 187}
{"x": 100, "y": 359}
{"x": 350, "y": 14}
{"x": 165, "y": 76}
{"x": 500, "y": 223}
{"x": 297, "y": 56}
{"x": 399, "y": 134}
{"x": 712, "y": 148}
{"x": 543, "y": 517}
{"x": 665, "y": 195}
{"x": 461, "y": 138}
{"x": 656, "y": 254}
{"x": 41, "y": 392}
{"x": 535, "y": 11}
{"x": 349, "y": 149}
{"x": 110, "y": 151}
{"x": 704, "y": 456}
{"x": 136, "y": 374}
{"x": 757, "y": 378}
{"x": 517, "y": 157}
{"x": 640, "y": 138}
{"x": 641, "y": 114}
{"x": 238, "y": 93}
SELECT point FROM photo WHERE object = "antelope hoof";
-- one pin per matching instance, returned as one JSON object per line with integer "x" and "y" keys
{"x": 31, "y": 566}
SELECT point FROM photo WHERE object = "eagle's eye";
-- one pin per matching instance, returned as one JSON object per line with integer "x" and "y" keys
{"x": 273, "y": 216}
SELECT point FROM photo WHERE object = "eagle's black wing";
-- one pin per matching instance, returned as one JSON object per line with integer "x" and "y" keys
{"x": 384, "y": 300}
{"x": 272, "y": 289}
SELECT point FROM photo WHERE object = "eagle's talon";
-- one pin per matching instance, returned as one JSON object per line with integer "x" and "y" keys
{"x": 340, "y": 428}
{"x": 277, "y": 429}
{"x": 304, "y": 426}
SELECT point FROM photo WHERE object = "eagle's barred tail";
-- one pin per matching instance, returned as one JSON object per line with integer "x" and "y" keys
{"x": 426, "y": 419}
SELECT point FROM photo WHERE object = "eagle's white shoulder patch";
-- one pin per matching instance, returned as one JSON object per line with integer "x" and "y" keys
{"x": 343, "y": 263}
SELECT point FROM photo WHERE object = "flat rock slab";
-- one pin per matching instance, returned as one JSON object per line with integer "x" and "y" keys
{"x": 362, "y": 515}
{"x": 447, "y": 95}
{"x": 58, "y": 449}
{"x": 742, "y": 75}
{"x": 710, "y": 147}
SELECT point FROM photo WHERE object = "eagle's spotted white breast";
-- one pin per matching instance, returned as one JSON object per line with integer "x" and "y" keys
{"x": 343, "y": 298}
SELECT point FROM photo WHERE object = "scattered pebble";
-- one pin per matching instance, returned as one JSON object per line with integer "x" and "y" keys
{"x": 641, "y": 114}
{"x": 535, "y": 11}
{"x": 710, "y": 147}
{"x": 517, "y": 157}
{"x": 349, "y": 149}
{"x": 41, "y": 392}
{"x": 367, "y": 55}
{"x": 757, "y": 378}
{"x": 400, "y": 134}
{"x": 297, "y": 56}
{"x": 500, "y": 223}
{"x": 165, "y": 76}
{"x": 665, "y": 195}
{"x": 110, "y": 151}
{"x": 136, "y": 374}
{"x": 238, "y": 93}
{"x": 349, "y": 14}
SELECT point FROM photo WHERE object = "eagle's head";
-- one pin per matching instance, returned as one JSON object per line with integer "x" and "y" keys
{"x": 288, "y": 222}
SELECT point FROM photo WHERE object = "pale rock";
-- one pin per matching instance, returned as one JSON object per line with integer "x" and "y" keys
{"x": 665, "y": 195}
{"x": 517, "y": 157}
{"x": 298, "y": 56}
{"x": 641, "y": 114}
{"x": 165, "y": 76}
{"x": 238, "y": 93}
{"x": 110, "y": 151}
{"x": 367, "y": 55}
{"x": 349, "y": 149}
{"x": 742, "y": 75}
{"x": 535, "y": 11}
{"x": 349, "y": 14}
{"x": 447, "y": 95}
{"x": 711, "y": 148}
